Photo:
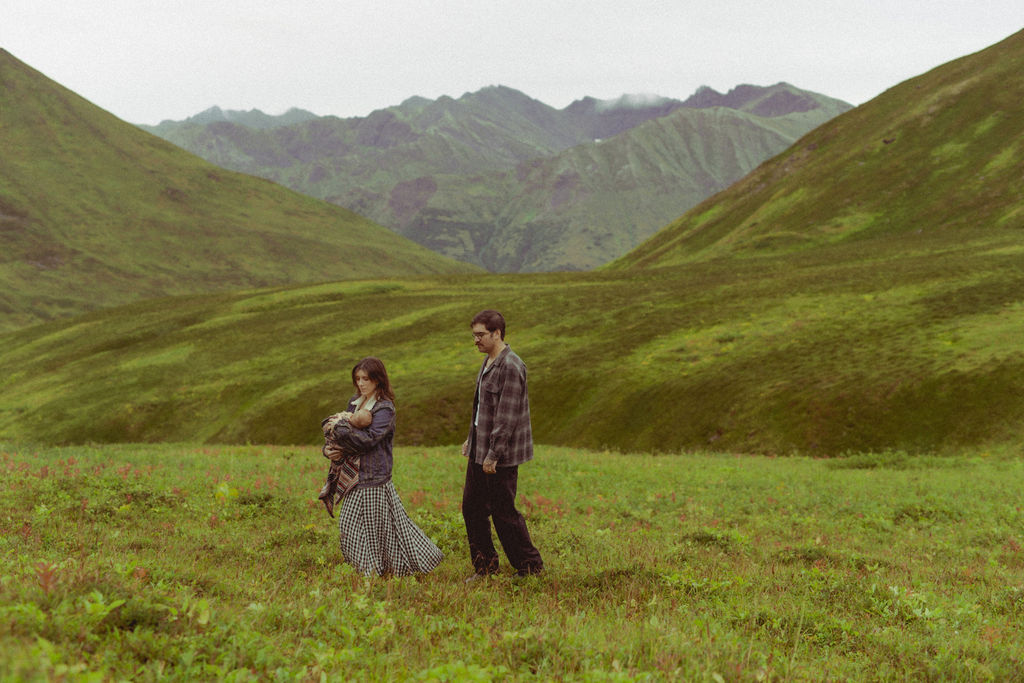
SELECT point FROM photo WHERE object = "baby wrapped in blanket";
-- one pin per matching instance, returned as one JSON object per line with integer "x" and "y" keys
{"x": 343, "y": 473}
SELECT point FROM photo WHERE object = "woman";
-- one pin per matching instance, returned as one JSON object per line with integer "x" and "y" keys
{"x": 376, "y": 534}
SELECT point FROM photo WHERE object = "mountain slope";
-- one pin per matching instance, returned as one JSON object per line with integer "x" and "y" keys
{"x": 474, "y": 177}
{"x": 94, "y": 212}
{"x": 588, "y": 204}
{"x": 932, "y": 163}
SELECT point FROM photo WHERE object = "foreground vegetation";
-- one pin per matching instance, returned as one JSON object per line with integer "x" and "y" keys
{"x": 181, "y": 562}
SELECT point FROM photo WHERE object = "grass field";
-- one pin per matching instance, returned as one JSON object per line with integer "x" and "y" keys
{"x": 185, "y": 562}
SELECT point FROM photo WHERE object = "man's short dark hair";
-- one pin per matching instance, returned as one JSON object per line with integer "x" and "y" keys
{"x": 492, "y": 320}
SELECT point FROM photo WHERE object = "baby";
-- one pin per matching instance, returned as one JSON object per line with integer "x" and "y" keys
{"x": 343, "y": 473}
{"x": 358, "y": 419}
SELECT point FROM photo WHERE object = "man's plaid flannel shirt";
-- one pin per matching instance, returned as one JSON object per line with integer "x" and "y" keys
{"x": 501, "y": 412}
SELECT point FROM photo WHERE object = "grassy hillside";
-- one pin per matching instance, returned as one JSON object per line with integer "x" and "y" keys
{"x": 767, "y": 355}
{"x": 94, "y": 212}
{"x": 504, "y": 181}
{"x": 932, "y": 164}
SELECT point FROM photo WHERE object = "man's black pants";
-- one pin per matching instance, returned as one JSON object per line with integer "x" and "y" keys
{"x": 493, "y": 496}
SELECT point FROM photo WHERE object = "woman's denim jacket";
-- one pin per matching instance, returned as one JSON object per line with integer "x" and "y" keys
{"x": 373, "y": 444}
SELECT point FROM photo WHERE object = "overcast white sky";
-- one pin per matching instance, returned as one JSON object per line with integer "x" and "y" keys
{"x": 149, "y": 60}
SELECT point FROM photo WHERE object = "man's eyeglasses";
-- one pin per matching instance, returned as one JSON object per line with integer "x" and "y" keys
{"x": 481, "y": 335}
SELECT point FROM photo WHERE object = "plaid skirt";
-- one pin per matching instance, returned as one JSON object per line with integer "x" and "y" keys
{"x": 378, "y": 538}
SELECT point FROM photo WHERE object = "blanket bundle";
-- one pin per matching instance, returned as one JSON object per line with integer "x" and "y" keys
{"x": 344, "y": 470}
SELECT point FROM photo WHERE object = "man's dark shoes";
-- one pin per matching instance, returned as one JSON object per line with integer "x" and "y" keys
{"x": 520, "y": 575}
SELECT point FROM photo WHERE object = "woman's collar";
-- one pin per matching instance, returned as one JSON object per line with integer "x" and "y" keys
{"x": 367, "y": 403}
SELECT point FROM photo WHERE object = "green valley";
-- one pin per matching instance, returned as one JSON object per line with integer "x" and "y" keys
{"x": 501, "y": 180}
{"x": 765, "y": 355}
{"x": 840, "y": 298}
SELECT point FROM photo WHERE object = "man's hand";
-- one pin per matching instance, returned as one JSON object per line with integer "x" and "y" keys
{"x": 465, "y": 447}
{"x": 490, "y": 466}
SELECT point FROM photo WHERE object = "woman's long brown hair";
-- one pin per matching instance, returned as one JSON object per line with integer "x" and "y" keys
{"x": 374, "y": 369}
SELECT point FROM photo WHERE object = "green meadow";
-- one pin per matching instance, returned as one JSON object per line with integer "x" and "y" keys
{"x": 193, "y": 562}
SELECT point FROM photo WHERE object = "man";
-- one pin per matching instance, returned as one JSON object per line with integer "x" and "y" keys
{"x": 500, "y": 439}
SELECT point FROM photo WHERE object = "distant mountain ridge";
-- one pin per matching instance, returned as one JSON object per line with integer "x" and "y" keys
{"x": 499, "y": 179}
{"x": 254, "y": 118}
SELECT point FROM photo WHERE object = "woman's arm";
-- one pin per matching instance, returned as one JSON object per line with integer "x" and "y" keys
{"x": 361, "y": 440}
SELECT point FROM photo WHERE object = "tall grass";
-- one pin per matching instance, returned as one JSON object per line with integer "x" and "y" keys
{"x": 178, "y": 562}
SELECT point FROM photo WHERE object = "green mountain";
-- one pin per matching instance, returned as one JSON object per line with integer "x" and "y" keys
{"x": 504, "y": 181}
{"x": 588, "y": 204}
{"x": 931, "y": 164}
{"x": 95, "y": 212}
{"x": 758, "y": 323}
